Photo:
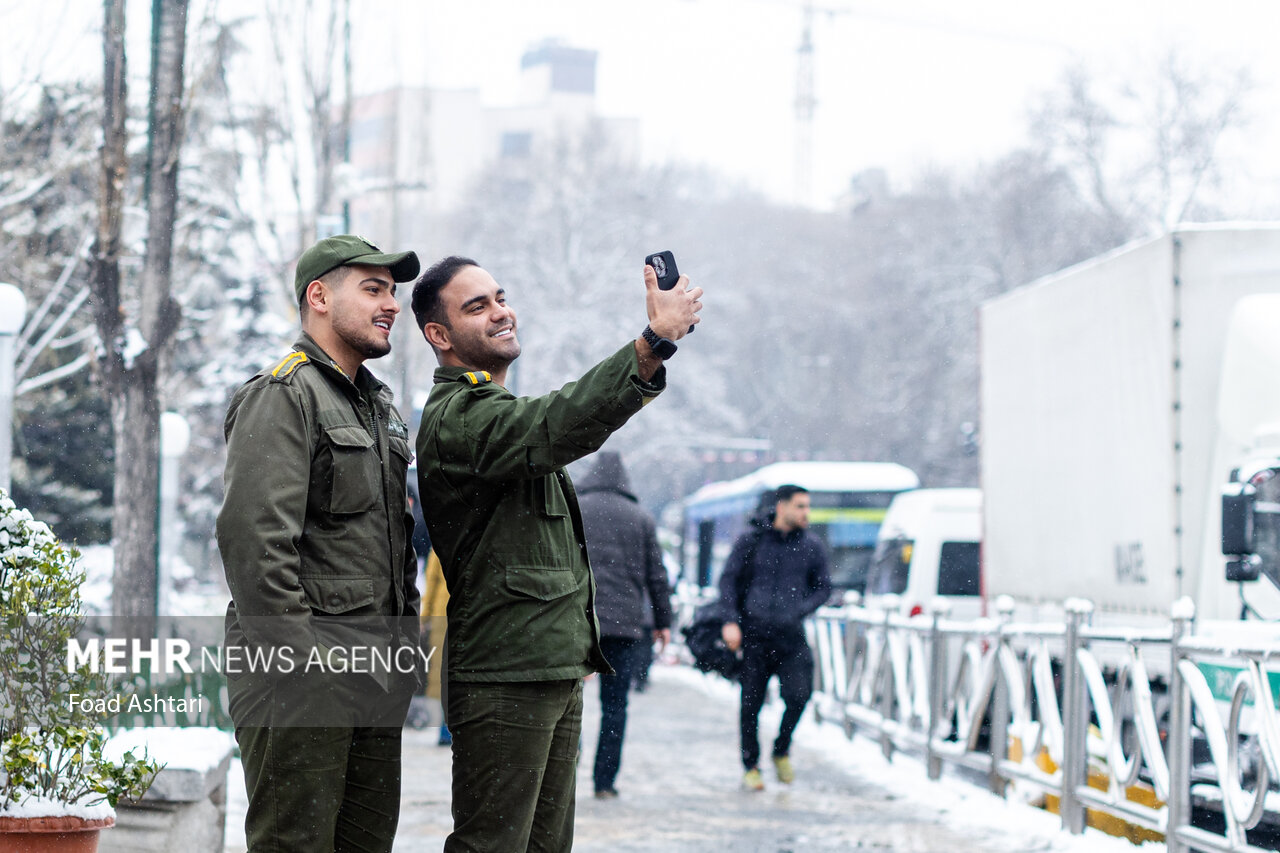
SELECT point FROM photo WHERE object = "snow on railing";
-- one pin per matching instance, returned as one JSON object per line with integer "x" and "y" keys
{"x": 1065, "y": 712}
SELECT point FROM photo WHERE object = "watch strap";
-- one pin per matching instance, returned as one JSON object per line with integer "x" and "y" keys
{"x": 662, "y": 347}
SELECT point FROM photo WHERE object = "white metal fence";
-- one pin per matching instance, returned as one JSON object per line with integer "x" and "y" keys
{"x": 1051, "y": 707}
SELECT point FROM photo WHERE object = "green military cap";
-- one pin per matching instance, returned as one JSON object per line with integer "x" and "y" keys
{"x": 333, "y": 252}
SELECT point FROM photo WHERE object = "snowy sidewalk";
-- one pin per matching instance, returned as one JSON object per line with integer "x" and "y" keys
{"x": 680, "y": 791}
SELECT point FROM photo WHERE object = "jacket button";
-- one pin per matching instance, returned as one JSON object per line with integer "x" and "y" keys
{"x": 335, "y": 599}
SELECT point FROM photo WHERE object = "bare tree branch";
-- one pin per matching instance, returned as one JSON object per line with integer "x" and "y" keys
{"x": 72, "y": 367}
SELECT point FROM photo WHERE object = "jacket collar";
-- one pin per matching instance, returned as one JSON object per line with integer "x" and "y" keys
{"x": 790, "y": 536}
{"x": 364, "y": 381}
{"x": 447, "y": 374}
{"x": 454, "y": 374}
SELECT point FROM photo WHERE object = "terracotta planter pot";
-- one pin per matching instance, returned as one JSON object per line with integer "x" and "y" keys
{"x": 60, "y": 834}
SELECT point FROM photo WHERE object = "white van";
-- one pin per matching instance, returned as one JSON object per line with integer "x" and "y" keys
{"x": 930, "y": 546}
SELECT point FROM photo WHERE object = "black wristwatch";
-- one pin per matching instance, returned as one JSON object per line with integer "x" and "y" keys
{"x": 661, "y": 347}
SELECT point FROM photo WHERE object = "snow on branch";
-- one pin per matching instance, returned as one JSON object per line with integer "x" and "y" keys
{"x": 48, "y": 378}
{"x": 26, "y": 192}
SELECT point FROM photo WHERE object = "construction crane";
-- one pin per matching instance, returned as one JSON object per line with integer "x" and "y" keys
{"x": 802, "y": 187}
{"x": 806, "y": 103}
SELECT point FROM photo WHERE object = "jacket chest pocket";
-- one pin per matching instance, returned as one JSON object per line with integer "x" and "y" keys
{"x": 400, "y": 459}
{"x": 549, "y": 497}
{"x": 355, "y": 474}
{"x": 404, "y": 455}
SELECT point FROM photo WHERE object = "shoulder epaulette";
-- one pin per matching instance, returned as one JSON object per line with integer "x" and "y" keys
{"x": 288, "y": 365}
{"x": 476, "y": 377}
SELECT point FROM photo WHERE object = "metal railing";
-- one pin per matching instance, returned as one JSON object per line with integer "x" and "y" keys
{"x": 1067, "y": 710}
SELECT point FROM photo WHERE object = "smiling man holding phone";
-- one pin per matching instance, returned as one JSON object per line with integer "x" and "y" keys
{"x": 505, "y": 522}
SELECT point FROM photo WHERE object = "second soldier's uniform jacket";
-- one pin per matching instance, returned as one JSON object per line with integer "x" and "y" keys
{"x": 314, "y": 533}
{"x": 504, "y": 518}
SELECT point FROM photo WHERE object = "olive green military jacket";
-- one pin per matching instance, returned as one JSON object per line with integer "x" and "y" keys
{"x": 314, "y": 529}
{"x": 504, "y": 518}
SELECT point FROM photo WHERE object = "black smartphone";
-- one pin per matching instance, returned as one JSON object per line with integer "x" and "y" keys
{"x": 664, "y": 265}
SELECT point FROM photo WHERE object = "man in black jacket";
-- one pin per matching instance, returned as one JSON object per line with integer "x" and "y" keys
{"x": 775, "y": 576}
{"x": 623, "y": 549}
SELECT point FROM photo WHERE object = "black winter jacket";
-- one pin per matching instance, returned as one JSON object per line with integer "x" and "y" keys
{"x": 623, "y": 549}
{"x": 788, "y": 580}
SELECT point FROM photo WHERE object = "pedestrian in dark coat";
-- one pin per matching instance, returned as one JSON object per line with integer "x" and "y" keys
{"x": 776, "y": 575}
{"x": 622, "y": 546}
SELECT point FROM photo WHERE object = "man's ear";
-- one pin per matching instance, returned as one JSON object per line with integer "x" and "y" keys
{"x": 437, "y": 335}
{"x": 317, "y": 296}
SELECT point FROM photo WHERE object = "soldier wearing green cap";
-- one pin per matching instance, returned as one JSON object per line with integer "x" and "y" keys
{"x": 314, "y": 534}
{"x": 505, "y": 523}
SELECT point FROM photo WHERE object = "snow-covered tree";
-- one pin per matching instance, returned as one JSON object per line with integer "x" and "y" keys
{"x": 63, "y": 440}
{"x": 137, "y": 320}
{"x": 1146, "y": 148}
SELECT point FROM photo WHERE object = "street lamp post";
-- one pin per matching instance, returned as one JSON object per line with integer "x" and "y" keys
{"x": 13, "y": 313}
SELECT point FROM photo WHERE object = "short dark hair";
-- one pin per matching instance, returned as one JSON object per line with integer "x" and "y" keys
{"x": 331, "y": 279}
{"x": 426, "y": 290}
{"x": 767, "y": 503}
{"x": 787, "y": 492}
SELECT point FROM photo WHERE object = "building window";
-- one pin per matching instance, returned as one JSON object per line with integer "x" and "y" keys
{"x": 517, "y": 143}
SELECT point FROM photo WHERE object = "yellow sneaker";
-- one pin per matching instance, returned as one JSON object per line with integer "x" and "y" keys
{"x": 782, "y": 765}
{"x": 752, "y": 780}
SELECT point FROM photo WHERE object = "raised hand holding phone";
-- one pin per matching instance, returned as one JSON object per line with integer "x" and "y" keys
{"x": 664, "y": 266}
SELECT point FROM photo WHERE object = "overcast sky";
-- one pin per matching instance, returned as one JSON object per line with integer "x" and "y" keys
{"x": 903, "y": 84}
{"x": 900, "y": 84}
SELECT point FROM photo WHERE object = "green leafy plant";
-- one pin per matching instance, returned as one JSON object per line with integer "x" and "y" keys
{"x": 51, "y": 741}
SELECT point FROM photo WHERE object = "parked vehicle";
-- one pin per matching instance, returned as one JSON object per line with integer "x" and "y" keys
{"x": 848, "y": 502}
{"x": 930, "y": 548}
{"x": 1117, "y": 397}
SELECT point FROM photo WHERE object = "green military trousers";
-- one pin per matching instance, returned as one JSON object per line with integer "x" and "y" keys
{"x": 321, "y": 788}
{"x": 321, "y": 755}
{"x": 515, "y": 763}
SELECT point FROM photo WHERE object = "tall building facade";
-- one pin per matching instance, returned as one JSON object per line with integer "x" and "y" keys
{"x": 415, "y": 151}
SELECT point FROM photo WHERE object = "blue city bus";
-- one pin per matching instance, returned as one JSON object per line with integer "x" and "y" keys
{"x": 848, "y": 501}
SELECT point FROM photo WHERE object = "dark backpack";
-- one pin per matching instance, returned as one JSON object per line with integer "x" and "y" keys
{"x": 703, "y": 639}
{"x": 703, "y": 636}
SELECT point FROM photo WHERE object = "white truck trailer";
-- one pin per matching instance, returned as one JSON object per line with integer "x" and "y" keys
{"x": 1117, "y": 399}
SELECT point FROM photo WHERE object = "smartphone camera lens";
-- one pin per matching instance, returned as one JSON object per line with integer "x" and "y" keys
{"x": 659, "y": 266}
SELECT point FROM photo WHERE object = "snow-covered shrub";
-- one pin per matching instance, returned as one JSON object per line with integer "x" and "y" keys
{"x": 50, "y": 746}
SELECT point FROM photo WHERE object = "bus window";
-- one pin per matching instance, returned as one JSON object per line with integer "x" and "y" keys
{"x": 890, "y": 567}
{"x": 848, "y": 567}
{"x": 848, "y": 501}
{"x": 706, "y": 545}
{"x": 958, "y": 568}
{"x": 848, "y": 522}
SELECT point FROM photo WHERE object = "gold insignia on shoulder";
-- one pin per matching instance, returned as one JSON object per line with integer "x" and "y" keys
{"x": 477, "y": 377}
{"x": 289, "y": 364}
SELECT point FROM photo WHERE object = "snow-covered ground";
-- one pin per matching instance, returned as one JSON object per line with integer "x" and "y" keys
{"x": 968, "y": 808}
{"x": 680, "y": 791}
{"x": 198, "y": 749}
{"x": 1005, "y": 826}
